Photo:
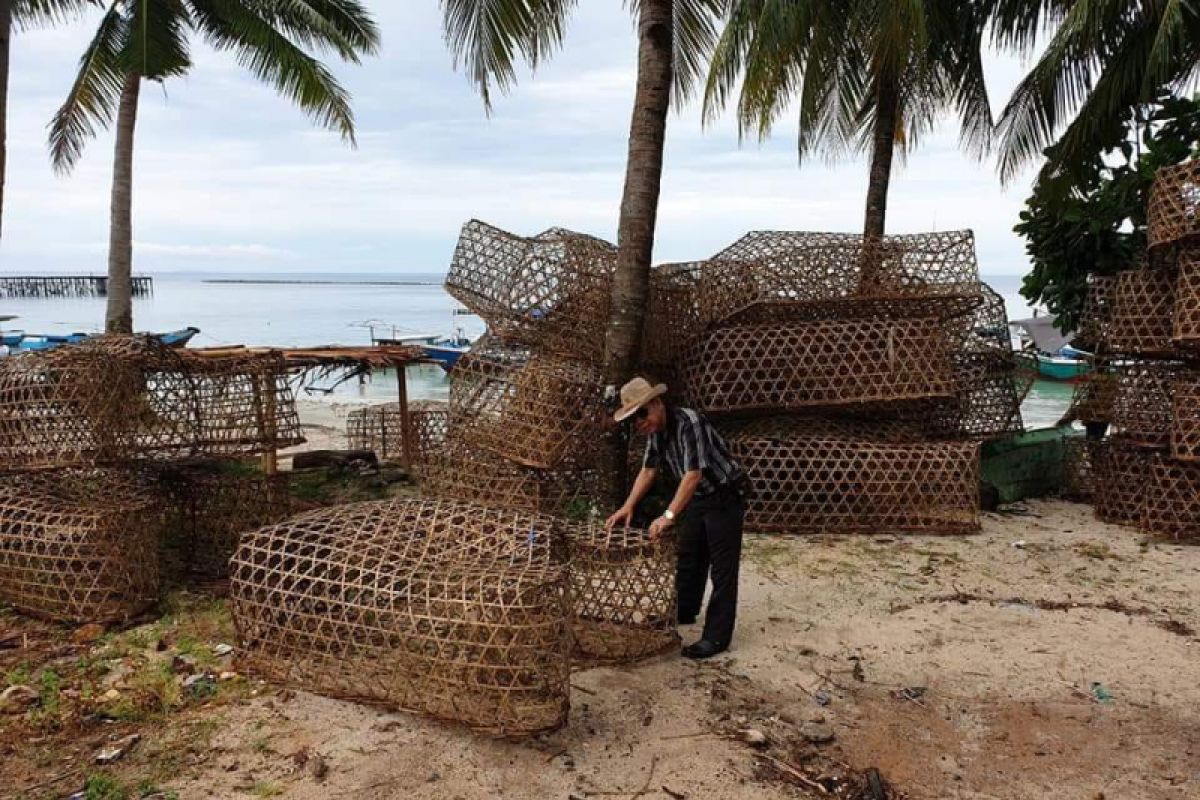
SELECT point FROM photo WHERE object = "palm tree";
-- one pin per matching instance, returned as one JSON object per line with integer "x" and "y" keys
{"x": 489, "y": 36}
{"x": 148, "y": 40}
{"x": 867, "y": 76}
{"x": 1104, "y": 59}
{"x": 23, "y": 13}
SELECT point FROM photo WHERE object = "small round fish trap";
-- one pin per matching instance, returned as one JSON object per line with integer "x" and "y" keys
{"x": 1173, "y": 214}
{"x": 552, "y": 290}
{"x": 1141, "y": 413}
{"x": 1094, "y": 396}
{"x": 209, "y": 507}
{"x": 1119, "y": 481}
{"x": 451, "y": 610}
{"x": 380, "y": 428}
{"x": 825, "y": 364}
{"x": 79, "y": 545}
{"x": 1142, "y": 313}
{"x": 1185, "y": 418}
{"x": 1172, "y": 510}
{"x": 1078, "y": 469}
{"x": 572, "y": 489}
{"x": 812, "y": 477}
{"x": 1187, "y": 297}
{"x": 531, "y": 408}
{"x": 623, "y": 592}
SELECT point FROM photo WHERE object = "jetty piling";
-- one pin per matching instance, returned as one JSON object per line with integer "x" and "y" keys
{"x": 61, "y": 286}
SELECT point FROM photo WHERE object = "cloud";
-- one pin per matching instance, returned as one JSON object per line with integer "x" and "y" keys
{"x": 229, "y": 176}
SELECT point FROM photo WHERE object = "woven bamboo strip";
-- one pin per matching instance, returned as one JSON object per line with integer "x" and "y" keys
{"x": 1173, "y": 214}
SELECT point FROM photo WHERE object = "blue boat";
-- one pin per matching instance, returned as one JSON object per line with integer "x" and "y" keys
{"x": 22, "y": 342}
{"x": 1048, "y": 352}
{"x": 440, "y": 349}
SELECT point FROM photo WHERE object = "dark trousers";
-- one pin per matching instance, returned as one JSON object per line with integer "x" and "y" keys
{"x": 710, "y": 542}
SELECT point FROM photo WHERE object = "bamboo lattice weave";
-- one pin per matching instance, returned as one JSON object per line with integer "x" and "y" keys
{"x": 1119, "y": 481}
{"x": 116, "y": 399}
{"x": 78, "y": 546}
{"x": 448, "y": 609}
{"x": 1172, "y": 509}
{"x": 531, "y": 408}
{"x": 1078, "y": 470}
{"x": 1186, "y": 332}
{"x": 622, "y": 592}
{"x": 553, "y": 290}
{"x": 380, "y": 428}
{"x": 1173, "y": 214}
{"x": 824, "y": 364}
{"x": 811, "y": 477}
{"x": 1141, "y": 413}
{"x": 1185, "y": 418}
{"x": 209, "y": 507}
{"x": 1141, "y": 321}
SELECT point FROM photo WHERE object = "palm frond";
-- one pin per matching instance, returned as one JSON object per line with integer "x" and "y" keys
{"x": 344, "y": 27}
{"x": 157, "y": 45}
{"x": 36, "y": 13}
{"x": 694, "y": 38}
{"x": 489, "y": 37}
{"x": 236, "y": 27}
{"x": 94, "y": 95}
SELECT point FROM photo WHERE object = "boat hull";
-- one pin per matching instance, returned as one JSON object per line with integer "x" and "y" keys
{"x": 1065, "y": 370}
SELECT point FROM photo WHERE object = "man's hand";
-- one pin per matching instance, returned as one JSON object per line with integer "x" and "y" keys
{"x": 623, "y": 514}
{"x": 659, "y": 527}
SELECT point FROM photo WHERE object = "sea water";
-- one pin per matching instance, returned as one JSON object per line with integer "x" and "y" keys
{"x": 313, "y": 309}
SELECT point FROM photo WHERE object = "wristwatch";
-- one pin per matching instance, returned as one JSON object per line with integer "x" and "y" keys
{"x": 669, "y": 515}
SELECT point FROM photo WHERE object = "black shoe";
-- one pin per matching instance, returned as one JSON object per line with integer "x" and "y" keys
{"x": 704, "y": 649}
{"x": 687, "y": 620}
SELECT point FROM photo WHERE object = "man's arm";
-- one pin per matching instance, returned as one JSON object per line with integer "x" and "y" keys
{"x": 683, "y": 496}
{"x": 641, "y": 485}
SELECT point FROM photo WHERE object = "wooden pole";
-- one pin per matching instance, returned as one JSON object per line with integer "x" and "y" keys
{"x": 405, "y": 419}
{"x": 270, "y": 458}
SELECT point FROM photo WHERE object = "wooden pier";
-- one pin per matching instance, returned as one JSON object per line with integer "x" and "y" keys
{"x": 66, "y": 286}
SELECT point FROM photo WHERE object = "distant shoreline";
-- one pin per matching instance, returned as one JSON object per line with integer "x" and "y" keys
{"x": 301, "y": 282}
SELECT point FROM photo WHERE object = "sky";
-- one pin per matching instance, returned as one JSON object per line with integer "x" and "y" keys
{"x": 229, "y": 177}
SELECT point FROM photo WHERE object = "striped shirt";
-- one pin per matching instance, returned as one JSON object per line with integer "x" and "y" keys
{"x": 689, "y": 442}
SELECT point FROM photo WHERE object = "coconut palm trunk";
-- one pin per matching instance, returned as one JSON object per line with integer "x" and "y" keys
{"x": 643, "y": 178}
{"x": 118, "y": 317}
{"x": 883, "y": 147}
{"x": 5, "y": 41}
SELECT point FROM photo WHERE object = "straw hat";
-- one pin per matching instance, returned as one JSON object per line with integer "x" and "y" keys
{"x": 636, "y": 394}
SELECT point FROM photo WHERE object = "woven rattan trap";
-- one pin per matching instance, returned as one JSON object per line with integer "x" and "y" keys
{"x": 1096, "y": 315}
{"x": 115, "y": 399}
{"x": 380, "y": 428}
{"x": 823, "y": 364}
{"x": 453, "y": 610}
{"x": 811, "y": 476}
{"x": 1187, "y": 296}
{"x": 1185, "y": 418}
{"x": 207, "y": 509}
{"x": 1078, "y": 471}
{"x": 1141, "y": 413}
{"x": 623, "y": 592}
{"x": 529, "y": 407}
{"x": 1173, "y": 501}
{"x": 1140, "y": 322}
{"x": 776, "y": 276}
{"x": 79, "y": 545}
{"x": 1119, "y": 481}
{"x": 462, "y": 472}
{"x": 552, "y": 290}
{"x": 1173, "y": 214}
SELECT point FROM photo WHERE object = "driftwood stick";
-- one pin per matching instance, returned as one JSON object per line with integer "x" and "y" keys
{"x": 788, "y": 769}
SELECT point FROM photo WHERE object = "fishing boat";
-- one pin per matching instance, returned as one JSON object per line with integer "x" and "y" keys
{"x": 441, "y": 349}
{"x": 1048, "y": 351}
{"x": 22, "y": 342}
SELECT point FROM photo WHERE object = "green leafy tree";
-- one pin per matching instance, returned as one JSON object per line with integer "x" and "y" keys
{"x": 1090, "y": 217}
{"x": 1104, "y": 59}
{"x": 490, "y": 37}
{"x": 868, "y": 76}
{"x": 149, "y": 40}
{"x": 23, "y": 14}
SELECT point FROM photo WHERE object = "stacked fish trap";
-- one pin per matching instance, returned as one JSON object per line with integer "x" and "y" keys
{"x": 1146, "y": 385}
{"x": 525, "y": 414}
{"x": 380, "y": 428}
{"x": 854, "y": 379}
{"x": 454, "y": 610}
{"x": 85, "y": 432}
